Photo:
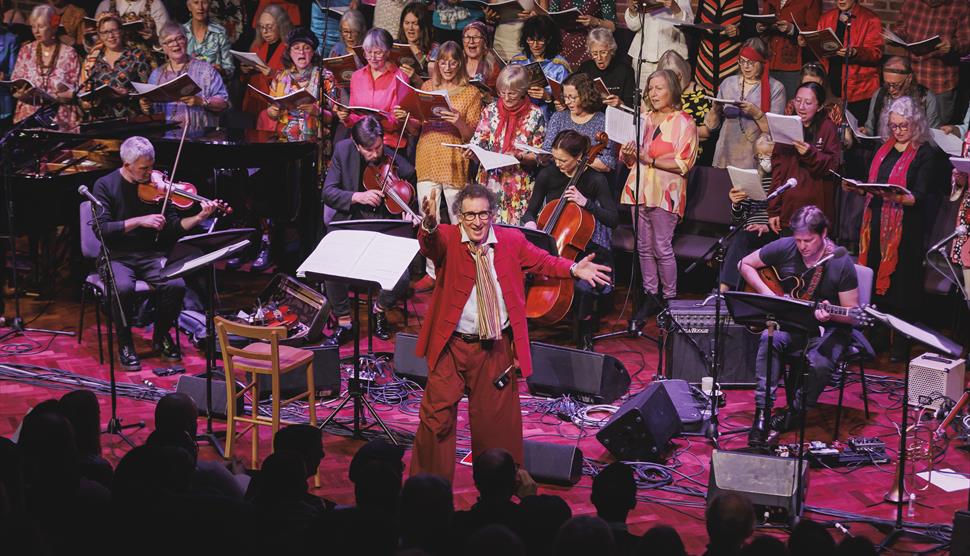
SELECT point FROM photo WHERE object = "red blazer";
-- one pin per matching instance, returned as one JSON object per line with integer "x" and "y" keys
{"x": 253, "y": 103}
{"x": 867, "y": 39}
{"x": 455, "y": 269}
{"x": 786, "y": 55}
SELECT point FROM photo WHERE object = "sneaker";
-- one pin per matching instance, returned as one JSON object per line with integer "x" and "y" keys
{"x": 129, "y": 359}
{"x": 425, "y": 284}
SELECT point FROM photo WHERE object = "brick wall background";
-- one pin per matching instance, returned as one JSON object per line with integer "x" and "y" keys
{"x": 887, "y": 9}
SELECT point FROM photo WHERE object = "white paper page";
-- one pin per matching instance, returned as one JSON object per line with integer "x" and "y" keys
{"x": 887, "y": 33}
{"x": 722, "y": 100}
{"x": 489, "y": 160}
{"x": 960, "y": 164}
{"x": 908, "y": 329}
{"x": 785, "y": 129}
{"x": 620, "y": 126}
{"x": 951, "y": 144}
{"x": 361, "y": 255}
{"x": 250, "y": 58}
{"x": 204, "y": 260}
{"x": 143, "y": 88}
{"x": 748, "y": 181}
{"x": 530, "y": 149}
{"x": 854, "y": 126}
{"x": 946, "y": 479}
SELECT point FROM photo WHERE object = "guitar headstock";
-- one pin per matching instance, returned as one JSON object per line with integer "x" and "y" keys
{"x": 861, "y": 317}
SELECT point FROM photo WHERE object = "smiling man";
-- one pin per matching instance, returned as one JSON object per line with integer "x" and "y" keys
{"x": 475, "y": 328}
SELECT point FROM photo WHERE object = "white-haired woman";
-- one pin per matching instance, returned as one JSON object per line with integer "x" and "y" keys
{"x": 616, "y": 74}
{"x": 274, "y": 26}
{"x": 510, "y": 119}
{"x": 353, "y": 26}
{"x": 51, "y": 67}
{"x": 375, "y": 86}
{"x": 658, "y": 34}
{"x": 893, "y": 224}
{"x": 200, "y": 110}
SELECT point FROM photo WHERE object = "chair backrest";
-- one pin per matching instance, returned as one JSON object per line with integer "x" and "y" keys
{"x": 707, "y": 196}
{"x": 864, "y": 275}
{"x": 90, "y": 246}
{"x": 271, "y": 334}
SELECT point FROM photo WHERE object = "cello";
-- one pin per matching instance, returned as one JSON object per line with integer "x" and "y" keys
{"x": 548, "y": 300}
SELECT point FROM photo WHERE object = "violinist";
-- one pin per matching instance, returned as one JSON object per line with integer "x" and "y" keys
{"x": 591, "y": 191}
{"x": 137, "y": 237}
{"x": 347, "y": 198}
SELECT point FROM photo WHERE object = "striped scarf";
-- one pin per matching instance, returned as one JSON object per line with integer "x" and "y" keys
{"x": 489, "y": 325}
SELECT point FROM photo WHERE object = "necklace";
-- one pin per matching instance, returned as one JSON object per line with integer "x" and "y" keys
{"x": 46, "y": 69}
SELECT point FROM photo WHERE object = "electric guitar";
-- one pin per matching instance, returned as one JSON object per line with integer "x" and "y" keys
{"x": 778, "y": 284}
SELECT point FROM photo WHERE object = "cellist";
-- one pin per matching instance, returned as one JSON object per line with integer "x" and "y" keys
{"x": 347, "y": 198}
{"x": 591, "y": 192}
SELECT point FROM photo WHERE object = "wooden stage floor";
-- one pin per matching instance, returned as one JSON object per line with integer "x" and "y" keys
{"x": 857, "y": 491}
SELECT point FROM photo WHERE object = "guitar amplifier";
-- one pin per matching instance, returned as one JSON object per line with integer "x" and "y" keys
{"x": 933, "y": 377}
{"x": 739, "y": 345}
{"x": 310, "y": 306}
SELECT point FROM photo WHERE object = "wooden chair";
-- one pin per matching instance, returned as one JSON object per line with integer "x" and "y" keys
{"x": 264, "y": 356}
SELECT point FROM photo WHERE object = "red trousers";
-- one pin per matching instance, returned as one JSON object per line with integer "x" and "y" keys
{"x": 495, "y": 416}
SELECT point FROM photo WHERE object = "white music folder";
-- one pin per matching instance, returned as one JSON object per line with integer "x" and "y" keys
{"x": 361, "y": 256}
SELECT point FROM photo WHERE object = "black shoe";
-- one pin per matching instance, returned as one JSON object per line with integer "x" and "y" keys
{"x": 341, "y": 335}
{"x": 758, "y": 434}
{"x": 585, "y": 341}
{"x": 262, "y": 260}
{"x": 648, "y": 308}
{"x": 129, "y": 359}
{"x": 785, "y": 420}
{"x": 382, "y": 328}
{"x": 168, "y": 349}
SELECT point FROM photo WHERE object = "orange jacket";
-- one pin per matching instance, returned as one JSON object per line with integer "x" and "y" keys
{"x": 866, "y": 38}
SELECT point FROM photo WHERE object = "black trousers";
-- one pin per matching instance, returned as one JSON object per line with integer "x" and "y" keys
{"x": 145, "y": 266}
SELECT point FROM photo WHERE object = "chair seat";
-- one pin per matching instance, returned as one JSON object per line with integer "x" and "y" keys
{"x": 690, "y": 246}
{"x": 290, "y": 357}
{"x": 95, "y": 281}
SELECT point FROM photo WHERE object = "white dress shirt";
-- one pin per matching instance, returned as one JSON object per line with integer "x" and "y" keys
{"x": 468, "y": 323}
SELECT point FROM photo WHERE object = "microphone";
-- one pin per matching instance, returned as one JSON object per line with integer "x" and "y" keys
{"x": 960, "y": 231}
{"x": 86, "y": 193}
{"x": 792, "y": 182}
{"x": 839, "y": 252}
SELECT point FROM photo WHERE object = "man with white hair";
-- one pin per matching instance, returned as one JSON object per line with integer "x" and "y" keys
{"x": 138, "y": 237}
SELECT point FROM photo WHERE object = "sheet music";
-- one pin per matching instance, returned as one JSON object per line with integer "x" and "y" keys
{"x": 208, "y": 258}
{"x": 620, "y": 126}
{"x": 950, "y": 144}
{"x": 748, "y": 181}
{"x": 960, "y": 164}
{"x": 361, "y": 255}
{"x": 530, "y": 149}
{"x": 785, "y": 129}
{"x": 854, "y": 126}
{"x": 490, "y": 160}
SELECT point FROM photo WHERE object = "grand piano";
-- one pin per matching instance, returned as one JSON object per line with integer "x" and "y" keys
{"x": 47, "y": 166}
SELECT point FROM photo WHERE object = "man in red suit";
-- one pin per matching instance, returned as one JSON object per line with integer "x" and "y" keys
{"x": 476, "y": 328}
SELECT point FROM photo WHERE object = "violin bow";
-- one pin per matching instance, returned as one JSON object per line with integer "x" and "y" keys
{"x": 171, "y": 176}
{"x": 386, "y": 176}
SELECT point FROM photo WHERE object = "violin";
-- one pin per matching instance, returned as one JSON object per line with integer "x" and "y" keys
{"x": 398, "y": 192}
{"x": 183, "y": 194}
{"x": 548, "y": 300}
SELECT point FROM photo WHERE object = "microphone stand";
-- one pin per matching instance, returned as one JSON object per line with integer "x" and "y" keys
{"x": 17, "y": 325}
{"x": 847, "y": 39}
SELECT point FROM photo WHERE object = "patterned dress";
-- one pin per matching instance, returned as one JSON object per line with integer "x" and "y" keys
{"x": 961, "y": 246}
{"x": 512, "y": 184}
{"x": 63, "y": 71}
{"x": 675, "y": 135}
{"x": 132, "y": 65}
{"x": 574, "y": 41}
{"x": 717, "y": 54}
{"x": 207, "y": 78}
{"x": 213, "y": 48}
{"x": 299, "y": 125}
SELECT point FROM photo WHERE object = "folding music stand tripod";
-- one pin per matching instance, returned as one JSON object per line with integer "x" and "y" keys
{"x": 194, "y": 253}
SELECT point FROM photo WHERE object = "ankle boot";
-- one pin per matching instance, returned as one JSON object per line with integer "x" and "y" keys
{"x": 758, "y": 434}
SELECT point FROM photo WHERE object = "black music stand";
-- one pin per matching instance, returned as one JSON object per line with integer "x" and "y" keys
{"x": 936, "y": 342}
{"x": 539, "y": 238}
{"x": 775, "y": 312}
{"x": 355, "y": 393}
{"x": 191, "y": 254}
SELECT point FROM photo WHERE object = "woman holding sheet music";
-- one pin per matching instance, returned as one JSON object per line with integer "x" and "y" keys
{"x": 583, "y": 114}
{"x": 375, "y": 86}
{"x": 809, "y": 161}
{"x": 593, "y": 14}
{"x": 616, "y": 74}
{"x": 480, "y": 62}
{"x": 200, "y": 110}
{"x": 300, "y": 60}
{"x": 667, "y": 153}
{"x": 750, "y": 93}
{"x": 116, "y": 65}
{"x": 51, "y": 67}
{"x": 893, "y": 223}
{"x": 541, "y": 42}
{"x": 782, "y": 37}
{"x": 510, "y": 120}
{"x": 439, "y": 167}
{"x": 273, "y": 25}
{"x": 415, "y": 31}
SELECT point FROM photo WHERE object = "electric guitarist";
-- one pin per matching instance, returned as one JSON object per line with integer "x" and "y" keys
{"x": 833, "y": 282}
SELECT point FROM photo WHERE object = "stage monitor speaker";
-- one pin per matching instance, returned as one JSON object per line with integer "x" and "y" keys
{"x": 960, "y": 538}
{"x": 557, "y": 464}
{"x": 642, "y": 427}
{"x": 767, "y": 481}
{"x": 739, "y": 346}
{"x": 326, "y": 375}
{"x": 687, "y": 405}
{"x": 194, "y": 387}
{"x": 592, "y": 378}
{"x": 406, "y": 363}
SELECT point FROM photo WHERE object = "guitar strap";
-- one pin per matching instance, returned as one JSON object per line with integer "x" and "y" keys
{"x": 818, "y": 273}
